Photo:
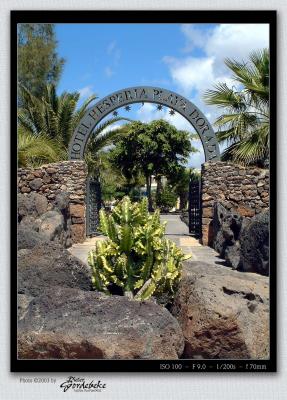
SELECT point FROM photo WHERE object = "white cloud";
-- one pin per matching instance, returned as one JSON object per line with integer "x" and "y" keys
{"x": 194, "y": 37}
{"x": 193, "y": 76}
{"x": 86, "y": 91}
{"x": 199, "y": 71}
{"x": 109, "y": 71}
{"x": 234, "y": 41}
{"x": 114, "y": 54}
{"x": 111, "y": 128}
{"x": 191, "y": 73}
{"x": 111, "y": 47}
{"x": 196, "y": 159}
{"x": 147, "y": 112}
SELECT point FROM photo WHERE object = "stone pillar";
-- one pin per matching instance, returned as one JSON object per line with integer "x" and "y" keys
{"x": 52, "y": 179}
{"x": 244, "y": 189}
{"x": 78, "y": 226}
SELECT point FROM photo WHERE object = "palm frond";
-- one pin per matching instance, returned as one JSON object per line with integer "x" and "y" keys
{"x": 244, "y": 125}
{"x": 99, "y": 128}
{"x": 51, "y": 115}
{"x": 224, "y": 97}
{"x": 34, "y": 150}
{"x": 79, "y": 114}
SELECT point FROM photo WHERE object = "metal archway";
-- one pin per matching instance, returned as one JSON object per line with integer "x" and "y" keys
{"x": 146, "y": 94}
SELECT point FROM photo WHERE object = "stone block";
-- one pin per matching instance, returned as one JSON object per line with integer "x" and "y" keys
{"x": 25, "y": 189}
{"x": 207, "y": 212}
{"x": 245, "y": 211}
{"x": 35, "y": 184}
{"x": 207, "y": 234}
{"x": 206, "y": 197}
{"x": 46, "y": 179}
{"x": 78, "y": 220}
{"x": 78, "y": 233}
{"x": 51, "y": 170}
{"x": 77, "y": 210}
{"x": 38, "y": 174}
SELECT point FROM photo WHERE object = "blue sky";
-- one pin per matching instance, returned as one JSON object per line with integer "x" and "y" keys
{"x": 103, "y": 58}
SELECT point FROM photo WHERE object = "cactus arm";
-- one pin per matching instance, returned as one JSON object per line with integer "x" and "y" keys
{"x": 146, "y": 291}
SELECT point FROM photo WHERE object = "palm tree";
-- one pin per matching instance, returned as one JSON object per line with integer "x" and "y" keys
{"x": 36, "y": 149}
{"x": 52, "y": 119}
{"x": 244, "y": 126}
{"x": 101, "y": 138}
{"x": 52, "y": 115}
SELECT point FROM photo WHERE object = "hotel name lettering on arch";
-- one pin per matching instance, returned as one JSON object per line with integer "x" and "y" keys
{"x": 149, "y": 95}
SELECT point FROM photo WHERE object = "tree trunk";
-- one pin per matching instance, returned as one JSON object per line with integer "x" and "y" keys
{"x": 148, "y": 191}
{"x": 183, "y": 197}
{"x": 158, "y": 186}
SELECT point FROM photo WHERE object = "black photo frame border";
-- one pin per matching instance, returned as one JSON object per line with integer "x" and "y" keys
{"x": 140, "y": 16}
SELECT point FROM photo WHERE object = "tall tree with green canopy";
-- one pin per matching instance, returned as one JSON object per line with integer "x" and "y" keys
{"x": 38, "y": 61}
{"x": 244, "y": 125}
{"x": 157, "y": 148}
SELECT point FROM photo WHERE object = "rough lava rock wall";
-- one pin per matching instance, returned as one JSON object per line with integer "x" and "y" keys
{"x": 52, "y": 179}
{"x": 244, "y": 189}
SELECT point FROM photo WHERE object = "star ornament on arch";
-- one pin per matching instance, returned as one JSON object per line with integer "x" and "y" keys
{"x": 159, "y": 107}
{"x": 115, "y": 113}
{"x": 128, "y": 108}
{"x": 171, "y": 112}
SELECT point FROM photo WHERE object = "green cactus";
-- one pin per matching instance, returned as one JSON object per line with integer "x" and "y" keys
{"x": 135, "y": 258}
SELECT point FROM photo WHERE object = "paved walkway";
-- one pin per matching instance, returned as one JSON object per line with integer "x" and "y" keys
{"x": 174, "y": 225}
{"x": 176, "y": 230}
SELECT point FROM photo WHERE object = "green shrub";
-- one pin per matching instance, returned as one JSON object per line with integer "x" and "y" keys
{"x": 166, "y": 199}
{"x": 136, "y": 259}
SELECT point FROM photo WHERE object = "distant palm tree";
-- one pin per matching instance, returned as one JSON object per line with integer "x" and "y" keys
{"x": 244, "y": 126}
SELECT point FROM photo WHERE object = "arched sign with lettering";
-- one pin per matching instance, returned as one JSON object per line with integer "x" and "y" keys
{"x": 144, "y": 94}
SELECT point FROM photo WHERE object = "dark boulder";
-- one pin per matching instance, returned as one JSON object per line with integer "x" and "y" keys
{"x": 31, "y": 204}
{"x": 62, "y": 200}
{"x": 226, "y": 228}
{"x": 35, "y": 184}
{"x": 23, "y": 305}
{"x": 30, "y": 222}
{"x": 49, "y": 264}
{"x": 28, "y": 237}
{"x": 47, "y": 227}
{"x": 254, "y": 241}
{"x": 66, "y": 323}
{"x": 233, "y": 255}
{"x": 51, "y": 224}
{"x": 224, "y": 314}
{"x": 242, "y": 241}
